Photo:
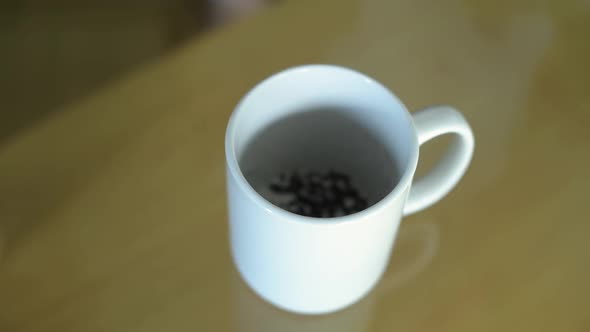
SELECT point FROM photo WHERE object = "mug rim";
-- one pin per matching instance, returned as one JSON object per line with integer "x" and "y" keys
{"x": 235, "y": 171}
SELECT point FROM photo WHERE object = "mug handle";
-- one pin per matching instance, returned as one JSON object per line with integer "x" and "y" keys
{"x": 429, "y": 123}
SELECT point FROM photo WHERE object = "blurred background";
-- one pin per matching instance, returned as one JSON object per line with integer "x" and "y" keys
{"x": 55, "y": 52}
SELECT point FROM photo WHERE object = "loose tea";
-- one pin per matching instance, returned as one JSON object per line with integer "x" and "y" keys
{"x": 313, "y": 194}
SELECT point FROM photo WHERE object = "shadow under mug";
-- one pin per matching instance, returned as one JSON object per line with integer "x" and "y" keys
{"x": 320, "y": 265}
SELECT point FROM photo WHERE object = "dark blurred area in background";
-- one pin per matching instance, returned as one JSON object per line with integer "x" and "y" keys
{"x": 54, "y": 52}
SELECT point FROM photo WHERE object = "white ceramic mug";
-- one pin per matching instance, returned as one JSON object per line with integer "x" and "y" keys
{"x": 330, "y": 118}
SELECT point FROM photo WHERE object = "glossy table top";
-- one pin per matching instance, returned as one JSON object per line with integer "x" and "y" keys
{"x": 113, "y": 216}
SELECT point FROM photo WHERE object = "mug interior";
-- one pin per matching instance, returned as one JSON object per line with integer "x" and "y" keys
{"x": 322, "y": 118}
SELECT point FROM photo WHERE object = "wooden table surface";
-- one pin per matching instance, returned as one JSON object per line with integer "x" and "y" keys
{"x": 113, "y": 214}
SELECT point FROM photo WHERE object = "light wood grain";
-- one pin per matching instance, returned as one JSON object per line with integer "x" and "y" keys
{"x": 113, "y": 212}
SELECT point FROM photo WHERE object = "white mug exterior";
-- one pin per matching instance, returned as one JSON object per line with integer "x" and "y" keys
{"x": 313, "y": 265}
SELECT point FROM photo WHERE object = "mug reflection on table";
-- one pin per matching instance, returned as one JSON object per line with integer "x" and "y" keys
{"x": 415, "y": 248}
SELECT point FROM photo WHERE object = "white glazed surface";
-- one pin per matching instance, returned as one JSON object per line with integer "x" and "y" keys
{"x": 311, "y": 265}
{"x": 429, "y": 123}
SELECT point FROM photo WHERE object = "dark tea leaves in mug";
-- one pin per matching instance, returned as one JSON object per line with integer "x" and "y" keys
{"x": 320, "y": 195}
